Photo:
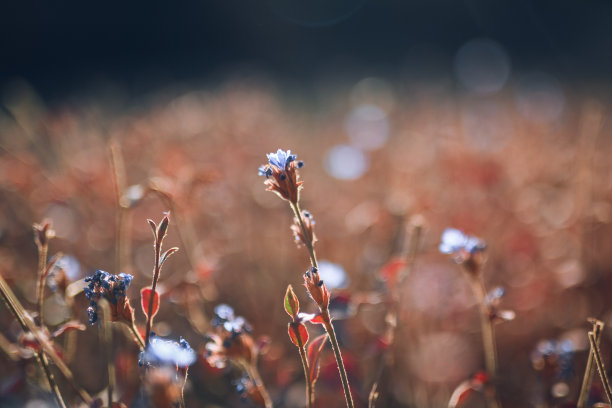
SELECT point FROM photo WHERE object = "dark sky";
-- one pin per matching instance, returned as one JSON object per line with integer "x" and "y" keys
{"x": 56, "y": 45}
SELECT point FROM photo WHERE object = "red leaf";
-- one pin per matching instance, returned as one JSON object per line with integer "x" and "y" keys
{"x": 314, "y": 351}
{"x": 318, "y": 319}
{"x": 298, "y": 334}
{"x": 390, "y": 270}
{"x": 145, "y": 296}
{"x": 66, "y": 327}
{"x": 463, "y": 394}
{"x": 292, "y": 305}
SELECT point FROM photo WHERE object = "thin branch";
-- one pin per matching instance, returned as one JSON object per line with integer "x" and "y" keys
{"x": 600, "y": 366}
{"x": 588, "y": 372}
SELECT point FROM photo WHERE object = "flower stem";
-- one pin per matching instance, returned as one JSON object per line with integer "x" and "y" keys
{"x": 28, "y": 324}
{"x": 334, "y": 343}
{"x": 252, "y": 372}
{"x": 44, "y": 364}
{"x": 43, "y": 250}
{"x": 309, "y": 390}
{"x": 153, "y": 286}
{"x": 137, "y": 336}
{"x": 325, "y": 312}
{"x": 309, "y": 245}
{"x": 588, "y": 371}
{"x": 107, "y": 339}
{"x": 488, "y": 339}
{"x": 600, "y": 366}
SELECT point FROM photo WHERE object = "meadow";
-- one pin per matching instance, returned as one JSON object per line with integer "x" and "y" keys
{"x": 387, "y": 169}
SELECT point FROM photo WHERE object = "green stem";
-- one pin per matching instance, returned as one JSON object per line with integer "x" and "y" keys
{"x": 334, "y": 343}
{"x": 309, "y": 390}
{"x": 600, "y": 366}
{"x": 588, "y": 372}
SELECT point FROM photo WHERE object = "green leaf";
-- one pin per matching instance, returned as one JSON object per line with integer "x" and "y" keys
{"x": 292, "y": 305}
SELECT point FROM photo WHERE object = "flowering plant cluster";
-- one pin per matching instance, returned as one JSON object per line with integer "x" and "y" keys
{"x": 113, "y": 288}
{"x": 149, "y": 365}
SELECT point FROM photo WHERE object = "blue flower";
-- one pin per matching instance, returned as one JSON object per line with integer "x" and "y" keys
{"x": 281, "y": 159}
{"x": 454, "y": 241}
{"x": 281, "y": 174}
{"x": 225, "y": 317}
{"x": 168, "y": 352}
{"x": 224, "y": 312}
{"x": 265, "y": 171}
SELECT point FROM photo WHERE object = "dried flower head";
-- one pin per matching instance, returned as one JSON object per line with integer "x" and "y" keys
{"x": 281, "y": 175}
{"x": 316, "y": 288}
{"x": 113, "y": 288}
{"x": 465, "y": 250}
{"x": 298, "y": 233}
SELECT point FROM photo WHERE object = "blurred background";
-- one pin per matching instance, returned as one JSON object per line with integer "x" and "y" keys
{"x": 492, "y": 117}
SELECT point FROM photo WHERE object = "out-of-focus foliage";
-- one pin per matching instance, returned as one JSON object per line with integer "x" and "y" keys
{"x": 532, "y": 180}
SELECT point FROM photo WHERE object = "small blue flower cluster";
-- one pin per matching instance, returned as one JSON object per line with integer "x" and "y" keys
{"x": 112, "y": 287}
{"x": 224, "y": 317}
{"x": 454, "y": 240}
{"x": 281, "y": 160}
{"x": 167, "y": 352}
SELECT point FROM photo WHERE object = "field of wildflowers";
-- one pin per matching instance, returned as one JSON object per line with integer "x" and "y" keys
{"x": 422, "y": 249}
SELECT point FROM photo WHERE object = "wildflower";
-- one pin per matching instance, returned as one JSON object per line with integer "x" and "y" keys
{"x": 162, "y": 352}
{"x": 224, "y": 317}
{"x": 281, "y": 175}
{"x": 298, "y": 233}
{"x": 249, "y": 391}
{"x": 454, "y": 241}
{"x": 492, "y": 301}
{"x": 316, "y": 288}
{"x": 466, "y": 250}
{"x": 230, "y": 339}
{"x": 113, "y": 288}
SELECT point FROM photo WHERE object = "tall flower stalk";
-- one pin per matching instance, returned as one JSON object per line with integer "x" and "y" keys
{"x": 159, "y": 233}
{"x": 283, "y": 179}
{"x": 469, "y": 253}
